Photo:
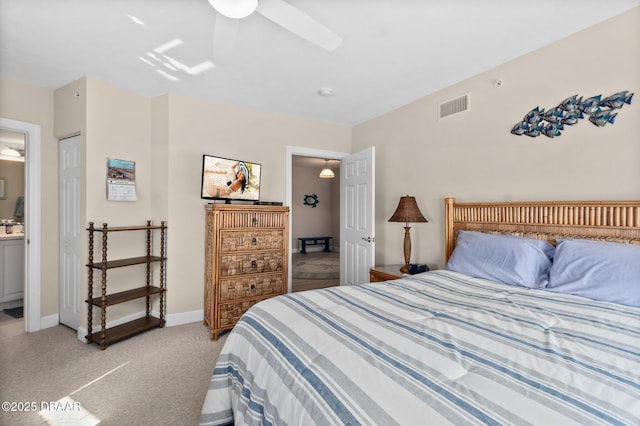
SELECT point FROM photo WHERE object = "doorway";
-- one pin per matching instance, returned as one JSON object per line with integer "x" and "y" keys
{"x": 317, "y": 271}
{"x": 12, "y": 279}
{"x": 315, "y": 217}
{"x": 32, "y": 214}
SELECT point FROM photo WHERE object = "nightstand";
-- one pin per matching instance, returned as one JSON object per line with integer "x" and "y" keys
{"x": 385, "y": 273}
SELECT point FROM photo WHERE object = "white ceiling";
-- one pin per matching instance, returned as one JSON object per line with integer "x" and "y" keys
{"x": 393, "y": 51}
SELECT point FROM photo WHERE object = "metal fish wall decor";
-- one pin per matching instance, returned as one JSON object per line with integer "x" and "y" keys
{"x": 551, "y": 122}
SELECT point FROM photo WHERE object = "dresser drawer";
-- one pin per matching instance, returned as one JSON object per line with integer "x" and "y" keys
{"x": 252, "y": 219}
{"x": 230, "y": 313}
{"x": 251, "y": 263}
{"x": 241, "y": 288}
{"x": 246, "y": 240}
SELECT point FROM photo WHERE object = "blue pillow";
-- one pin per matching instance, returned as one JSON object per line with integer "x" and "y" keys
{"x": 598, "y": 270}
{"x": 508, "y": 259}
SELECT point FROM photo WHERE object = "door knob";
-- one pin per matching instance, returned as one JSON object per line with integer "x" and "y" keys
{"x": 369, "y": 239}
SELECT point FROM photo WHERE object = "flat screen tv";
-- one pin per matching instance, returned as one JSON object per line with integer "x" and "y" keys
{"x": 227, "y": 179}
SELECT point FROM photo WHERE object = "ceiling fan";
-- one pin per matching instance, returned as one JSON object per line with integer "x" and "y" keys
{"x": 230, "y": 12}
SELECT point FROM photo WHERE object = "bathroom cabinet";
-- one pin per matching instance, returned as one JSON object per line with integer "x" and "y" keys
{"x": 12, "y": 268}
{"x": 104, "y": 298}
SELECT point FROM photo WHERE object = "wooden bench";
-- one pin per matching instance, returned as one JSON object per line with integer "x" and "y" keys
{"x": 313, "y": 241}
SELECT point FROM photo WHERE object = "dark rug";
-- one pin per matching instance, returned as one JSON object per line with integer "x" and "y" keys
{"x": 15, "y": 312}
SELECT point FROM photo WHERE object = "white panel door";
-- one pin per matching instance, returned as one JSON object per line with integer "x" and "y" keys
{"x": 357, "y": 217}
{"x": 70, "y": 267}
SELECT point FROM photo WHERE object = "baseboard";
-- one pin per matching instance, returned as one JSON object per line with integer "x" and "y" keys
{"x": 49, "y": 321}
{"x": 185, "y": 317}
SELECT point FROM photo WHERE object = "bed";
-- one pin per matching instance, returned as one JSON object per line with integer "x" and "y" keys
{"x": 559, "y": 345}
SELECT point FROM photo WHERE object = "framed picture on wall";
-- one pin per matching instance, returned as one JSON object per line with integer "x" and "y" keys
{"x": 3, "y": 188}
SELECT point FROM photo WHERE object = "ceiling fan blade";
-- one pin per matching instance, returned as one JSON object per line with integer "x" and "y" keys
{"x": 225, "y": 32}
{"x": 299, "y": 23}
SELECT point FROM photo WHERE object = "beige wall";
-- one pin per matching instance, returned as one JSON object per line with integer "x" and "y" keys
{"x": 13, "y": 172}
{"x": 112, "y": 123}
{"x": 166, "y": 137}
{"x": 31, "y": 104}
{"x": 473, "y": 156}
{"x": 322, "y": 220}
{"x": 198, "y": 127}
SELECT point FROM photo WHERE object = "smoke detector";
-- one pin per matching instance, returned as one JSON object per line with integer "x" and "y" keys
{"x": 325, "y": 92}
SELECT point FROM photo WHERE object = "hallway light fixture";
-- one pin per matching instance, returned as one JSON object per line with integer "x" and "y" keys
{"x": 407, "y": 211}
{"x": 326, "y": 173}
{"x": 9, "y": 152}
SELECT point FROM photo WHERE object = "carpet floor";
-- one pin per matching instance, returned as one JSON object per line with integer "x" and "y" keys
{"x": 156, "y": 378}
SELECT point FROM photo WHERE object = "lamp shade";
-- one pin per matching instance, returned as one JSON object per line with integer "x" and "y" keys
{"x": 407, "y": 211}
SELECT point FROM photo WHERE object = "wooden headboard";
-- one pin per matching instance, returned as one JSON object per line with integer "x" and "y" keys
{"x": 549, "y": 220}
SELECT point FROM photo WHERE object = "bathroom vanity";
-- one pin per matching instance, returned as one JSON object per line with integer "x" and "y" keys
{"x": 12, "y": 267}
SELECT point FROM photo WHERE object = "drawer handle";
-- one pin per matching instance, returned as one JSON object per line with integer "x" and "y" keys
{"x": 254, "y": 263}
{"x": 252, "y": 286}
{"x": 254, "y": 240}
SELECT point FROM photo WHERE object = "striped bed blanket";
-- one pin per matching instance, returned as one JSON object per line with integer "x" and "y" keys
{"x": 435, "y": 348}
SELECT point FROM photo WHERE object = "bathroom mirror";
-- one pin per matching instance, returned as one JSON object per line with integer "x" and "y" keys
{"x": 3, "y": 188}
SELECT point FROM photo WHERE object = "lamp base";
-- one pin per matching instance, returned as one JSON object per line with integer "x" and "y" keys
{"x": 407, "y": 249}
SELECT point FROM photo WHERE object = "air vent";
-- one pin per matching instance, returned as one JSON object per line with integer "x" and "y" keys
{"x": 453, "y": 106}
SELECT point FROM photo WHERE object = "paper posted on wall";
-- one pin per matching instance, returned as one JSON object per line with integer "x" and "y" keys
{"x": 121, "y": 180}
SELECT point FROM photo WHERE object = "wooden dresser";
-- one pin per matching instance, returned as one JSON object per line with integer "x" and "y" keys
{"x": 246, "y": 260}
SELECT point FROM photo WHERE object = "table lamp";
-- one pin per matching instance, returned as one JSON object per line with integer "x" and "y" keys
{"x": 408, "y": 212}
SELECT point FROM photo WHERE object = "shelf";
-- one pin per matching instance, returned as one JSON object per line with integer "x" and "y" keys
{"x": 142, "y": 260}
{"x": 125, "y": 296}
{"x": 106, "y": 336}
{"x": 122, "y": 331}
{"x": 126, "y": 228}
